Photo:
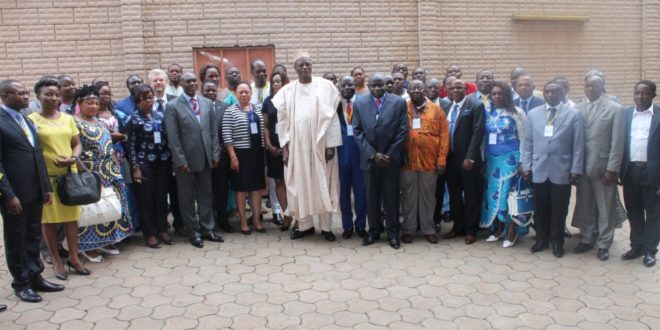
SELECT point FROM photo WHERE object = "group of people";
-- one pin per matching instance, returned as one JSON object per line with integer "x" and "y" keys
{"x": 377, "y": 148}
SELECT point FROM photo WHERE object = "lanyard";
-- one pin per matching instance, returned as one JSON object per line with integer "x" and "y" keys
{"x": 551, "y": 120}
{"x": 251, "y": 115}
{"x": 415, "y": 108}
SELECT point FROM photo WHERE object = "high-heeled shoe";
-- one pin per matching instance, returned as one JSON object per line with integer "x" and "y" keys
{"x": 286, "y": 224}
{"x": 508, "y": 244}
{"x": 97, "y": 259}
{"x": 83, "y": 272}
{"x": 61, "y": 276}
{"x": 495, "y": 238}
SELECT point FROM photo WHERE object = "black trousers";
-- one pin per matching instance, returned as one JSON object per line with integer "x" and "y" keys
{"x": 152, "y": 198}
{"x": 220, "y": 186}
{"x": 382, "y": 185}
{"x": 643, "y": 206}
{"x": 550, "y": 211}
{"x": 22, "y": 236}
{"x": 465, "y": 195}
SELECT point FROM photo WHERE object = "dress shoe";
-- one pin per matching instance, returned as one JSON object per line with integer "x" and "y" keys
{"x": 603, "y": 254}
{"x": 433, "y": 239}
{"x": 469, "y": 239}
{"x": 166, "y": 239}
{"x": 369, "y": 239}
{"x": 557, "y": 250}
{"x": 539, "y": 246}
{"x": 632, "y": 254}
{"x": 97, "y": 259}
{"x": 395, "y": 243}
{"x": 152, "y": 242}
{"x": 277, "y": 219}
{"x": 328, "y": 235}
{"x": 197, "y": 242}
{"x": 407, "y": 238}
{"x": 82, "y": 271}
{"x": 583, "y": 247}
{"x": 649, "y": 259}
{"x": 509, "y": 243}
{"x": 286, "y": 224}
{"x": 495, "y": 238}
{"x": 109, "y": 249}
{"x": 39, "y": 284}
{"x": 362, "y": 233}
{"x": 61, "y": 276}
{"x": 213, "y": 237}
{"x": 28, "y": 295}
{"x": 226, "y": 227}
{"x": 450, "y": 235}
{"x": 347, "y": 234}
{"x": 3, "y": 308}
{"x": 246, "y": 232}
{"x": 298, "y": 234}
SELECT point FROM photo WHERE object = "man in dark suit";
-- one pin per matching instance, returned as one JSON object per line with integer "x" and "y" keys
{"x": 525, "y": 88}
{"x": 24, "y": 189}
{"x": 380, "y": 124}
{"x": 220, "y": 173}
{"x": 350, "y": 174}
{"x": 127, "y": 104}
{"x": 641, "y": 174}
{"x": 193, "y": 136}
{"x": 484, "y": 82}
{"x": 464, "y": 180}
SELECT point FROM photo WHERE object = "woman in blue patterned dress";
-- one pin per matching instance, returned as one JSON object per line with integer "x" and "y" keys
{"x": 503, "y": 141}
{"x": 97, "y": 155}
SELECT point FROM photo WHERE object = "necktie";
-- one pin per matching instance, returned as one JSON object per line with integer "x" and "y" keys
{"x": 195, "y": 107}
{"x": 484, "y": 99}
{"x": 552, "y": 112}
{"x": 160, "y": 106}
{"x": 260, "y": 96}
{"x": 452, "y": 121}
{"x": 523, "y": 105}
{"x": 349, "y": 112}
{"x": 26, "y": 130}
{"x": 591, "y": 111}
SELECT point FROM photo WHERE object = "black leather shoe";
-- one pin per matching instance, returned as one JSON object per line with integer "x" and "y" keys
{"x": 649, "y": 260}
{"x": 582, "y": 248}
{"x": 328, "y": 235}
{"x": 603, "y": 254}
{"x": 197, "y": 242}
{"x": 369, "y": 239}
{"x": 362, "y": 233}
{"x": 277, "y": 219}
{"x": 39, "y": 284}
{"x": 28, "y": 295}
{"x": 406, "y": 238}
{"x": 213, "y": 237}
{"x": 3, "y": 308}
{"x": 226, "y": 227}
{"x": 298, "y": 234}
{"x": 557, "y": 250}
{"x": 347, "y": 234}
{"x": 632, "y": 254}
{"x": 395, "y": 243}
{"x": 539, "y": 246}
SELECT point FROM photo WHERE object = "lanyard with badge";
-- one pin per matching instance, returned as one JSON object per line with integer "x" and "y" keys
{"x": 154, "y": 123}
{"x": 492, "y": 137}
{"x": 549, "y": 128}
{"x": 252, "y": 118}
{"x": 417, "y": 121}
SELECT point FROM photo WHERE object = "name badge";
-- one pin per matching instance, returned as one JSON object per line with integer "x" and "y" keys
{"x": 549, "y": 131}
{"x": 417, "y": 123}
{"x": 253, "y": 128}
{"x": 349, "y": 130}
{"x": 492, "y": 138}
{"x": 277, "y": 129}
{"x": 157, "y": 139}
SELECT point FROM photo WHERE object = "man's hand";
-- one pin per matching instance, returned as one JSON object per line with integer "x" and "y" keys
{"x": 48, "y": 198}
{"x": 184, "y": 169}
{"x": 329, "y": 154}
{"x": 381, "y": 160}
{"x": 440, "y": 170}
{"x": 215, "y": 164}
{"x": 608, "y": 178}
{"x": 13, "y": 206}
{"x": 575, "y": 179}
{"x": 468, "y": 165}
{"x": 285, "y": 155}
{"x": 527, "y": 175}
{"x": 137, "y": 175}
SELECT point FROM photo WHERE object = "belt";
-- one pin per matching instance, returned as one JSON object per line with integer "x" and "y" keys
{"x": 638, "y": 164}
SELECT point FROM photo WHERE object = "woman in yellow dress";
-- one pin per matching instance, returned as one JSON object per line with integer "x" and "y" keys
{"x": 60, "y": 142}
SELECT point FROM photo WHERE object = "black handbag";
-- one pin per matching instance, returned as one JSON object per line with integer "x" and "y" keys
{"x": 79, "y": 188}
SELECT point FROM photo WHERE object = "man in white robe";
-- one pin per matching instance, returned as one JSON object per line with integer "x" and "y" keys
{"x": 309, "y": 131}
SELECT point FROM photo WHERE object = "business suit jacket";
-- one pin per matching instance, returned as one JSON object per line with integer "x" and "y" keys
{"x": 556, "y": 157}
{"x": 192, "y": 142}
{"x": 533, "y": 103}
{"x": 653, "y": 148}
{"x": 468, "y": 131}
{"x": 126, "y": 105}
{"x": 219, "y": 108}
{"x": 386, "y": 134}
{"x": 604, "y": 137}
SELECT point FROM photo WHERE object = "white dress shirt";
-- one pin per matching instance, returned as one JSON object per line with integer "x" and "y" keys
{"x": 155, "y": 106}
{"x": 639, "y": 134}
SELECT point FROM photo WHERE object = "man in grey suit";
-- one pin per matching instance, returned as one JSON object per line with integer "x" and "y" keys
{"x": 193, "y": 137}
{"x": 553, "y": 159}
{"x": 596, "y": 192}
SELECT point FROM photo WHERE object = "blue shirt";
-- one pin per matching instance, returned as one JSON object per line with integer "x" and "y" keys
{"x": 501, "y": 123}
{"x": 142, "y": 146}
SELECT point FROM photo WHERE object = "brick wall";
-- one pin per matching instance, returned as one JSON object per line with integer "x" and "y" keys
{"x": 112, "y": 38}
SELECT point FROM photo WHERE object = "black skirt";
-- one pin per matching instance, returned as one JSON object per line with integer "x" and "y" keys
{"x": 250, "y": 175}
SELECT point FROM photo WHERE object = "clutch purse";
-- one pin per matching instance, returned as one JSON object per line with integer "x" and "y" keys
{"x": 521, "y": 199}
{"x": 79, "y": 188}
